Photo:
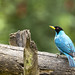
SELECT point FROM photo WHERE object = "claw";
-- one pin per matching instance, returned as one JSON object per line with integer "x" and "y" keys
{"x": 57, "y": 55}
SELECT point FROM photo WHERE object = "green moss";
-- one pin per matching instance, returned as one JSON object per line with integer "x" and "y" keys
{"x": 29, "y": 58}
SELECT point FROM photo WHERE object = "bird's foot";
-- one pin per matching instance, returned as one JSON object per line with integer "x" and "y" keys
{"x": 57, "y": 55}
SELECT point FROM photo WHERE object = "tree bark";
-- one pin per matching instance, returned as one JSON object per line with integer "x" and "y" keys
{"x": 11, "y": 59}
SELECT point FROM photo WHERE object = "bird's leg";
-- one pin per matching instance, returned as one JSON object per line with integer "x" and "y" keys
{"x": 61, "y": 53}
{"x": 58, "y": 54}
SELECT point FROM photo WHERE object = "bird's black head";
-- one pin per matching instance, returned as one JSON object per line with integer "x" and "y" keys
{"x": 56, "y": 28}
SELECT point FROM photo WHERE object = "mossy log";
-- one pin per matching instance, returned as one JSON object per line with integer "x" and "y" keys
{"x": 11, "y": 60}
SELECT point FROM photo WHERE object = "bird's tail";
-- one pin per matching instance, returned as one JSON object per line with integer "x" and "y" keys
{"x": 71, "y": 60}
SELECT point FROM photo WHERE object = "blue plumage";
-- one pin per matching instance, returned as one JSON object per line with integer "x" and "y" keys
{"x": 64, "y": 44}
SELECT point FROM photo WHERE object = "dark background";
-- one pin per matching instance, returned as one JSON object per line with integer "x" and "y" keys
{"x": 37, "y": 15}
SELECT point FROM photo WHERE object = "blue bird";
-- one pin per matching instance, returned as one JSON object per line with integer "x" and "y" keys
{"x": 64, "y": 44}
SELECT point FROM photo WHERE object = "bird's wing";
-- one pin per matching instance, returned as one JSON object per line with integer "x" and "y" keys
{"x": 65, "y": 44}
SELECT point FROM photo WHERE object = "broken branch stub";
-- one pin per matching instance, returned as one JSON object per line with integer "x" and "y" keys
{"x": 23, "y": 39}
{"x": 19, "y": 38}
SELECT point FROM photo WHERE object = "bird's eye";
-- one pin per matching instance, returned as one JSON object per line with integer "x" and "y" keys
{"x": 57, "y": 28}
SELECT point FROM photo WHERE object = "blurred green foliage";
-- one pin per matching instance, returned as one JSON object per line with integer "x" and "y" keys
{"x": 37, "y": 15}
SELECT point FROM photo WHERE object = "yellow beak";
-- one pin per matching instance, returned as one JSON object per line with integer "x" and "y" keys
{"x": 52, "y": 27}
